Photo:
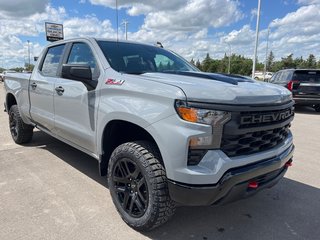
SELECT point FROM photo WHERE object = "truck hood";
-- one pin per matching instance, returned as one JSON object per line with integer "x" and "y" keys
{"x": 202, "y": 89}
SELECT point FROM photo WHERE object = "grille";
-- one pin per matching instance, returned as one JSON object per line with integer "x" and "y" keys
{"x": 252, "y": 142}
{"x": 264, "y": 113}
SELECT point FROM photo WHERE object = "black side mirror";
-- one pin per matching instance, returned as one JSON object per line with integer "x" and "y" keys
{"x": 79, "y": 72}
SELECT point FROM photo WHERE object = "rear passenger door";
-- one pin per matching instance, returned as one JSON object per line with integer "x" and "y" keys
{"x": 41, "y": 87}
{"x": 75, "y": 105}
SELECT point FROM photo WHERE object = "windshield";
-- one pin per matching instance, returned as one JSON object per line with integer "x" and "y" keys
{"x": 135, "y": 58}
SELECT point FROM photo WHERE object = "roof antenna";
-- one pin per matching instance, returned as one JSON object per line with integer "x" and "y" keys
{"x": 159, "y": 44}
{"x": 117, "y": 20}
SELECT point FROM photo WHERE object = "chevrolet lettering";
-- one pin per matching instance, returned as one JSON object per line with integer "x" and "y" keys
{"x": 267, "y": 118}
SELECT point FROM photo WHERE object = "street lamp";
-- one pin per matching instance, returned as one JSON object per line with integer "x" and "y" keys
{"x": 125, "y": 23}
{"x": 229, "y": 65}
{"x": 265, "y": 62}
{"x": 28, "y": 52}
{"x": 267, "y": 48}
{"x": 256, "y": 41}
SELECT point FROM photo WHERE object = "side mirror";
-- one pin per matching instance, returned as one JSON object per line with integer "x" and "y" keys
{"x": 79, "y": 72}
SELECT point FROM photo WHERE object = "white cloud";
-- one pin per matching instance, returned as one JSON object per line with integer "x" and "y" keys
{"x": 194, "y": 15}
{"x": 306, "y": 2}
{"x": 21, "y": 8}
{"x": 253, "y": 13}
{"x": 89, "y": 26}
{"x": 141, "y": 6}
{"x": 244, "y": 36}
{"x": 180, "y": 15}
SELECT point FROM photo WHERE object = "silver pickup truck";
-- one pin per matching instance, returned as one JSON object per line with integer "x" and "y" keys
{"x": 163, "y": 132}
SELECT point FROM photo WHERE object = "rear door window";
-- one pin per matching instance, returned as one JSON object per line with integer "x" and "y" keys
{"x": 51, "y": 61}
{"x": 274, "y": 78}
{"x": 285, "y": 76}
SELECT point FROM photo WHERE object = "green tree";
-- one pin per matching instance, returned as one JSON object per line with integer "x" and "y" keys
{"x": 299, "y": 62}
{"x": 206, "y": 63}
{"x": 270, "y": 61}
{"x": 288, "y": 62}
{"x": 28, "y": 67}
{"x": 198, "y": 65}
{"x": 311, "y": 62}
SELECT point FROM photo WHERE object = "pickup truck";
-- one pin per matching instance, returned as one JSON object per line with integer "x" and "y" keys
{"x": 164, "y": 133}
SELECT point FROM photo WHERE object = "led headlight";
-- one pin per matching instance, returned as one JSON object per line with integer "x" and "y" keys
{"x": 215, "y": 118}
{"x": 198, "y": 115}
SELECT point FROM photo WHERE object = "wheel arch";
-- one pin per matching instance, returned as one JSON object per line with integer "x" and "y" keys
{"x": 117, "y": 132}
{"x": 10, "y": 101}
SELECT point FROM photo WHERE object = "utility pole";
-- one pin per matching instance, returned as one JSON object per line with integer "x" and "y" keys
{"x": 265, "y": 63}
{"x": 229, "y": 65}
{"x": 125, "y": 23}
{"x": 256, "y": 41}
{"x": 117, "y": 19}
{"x": 28, "y": 53}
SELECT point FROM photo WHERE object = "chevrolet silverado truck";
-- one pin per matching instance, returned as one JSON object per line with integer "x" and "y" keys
{"x": 164, "y": 133}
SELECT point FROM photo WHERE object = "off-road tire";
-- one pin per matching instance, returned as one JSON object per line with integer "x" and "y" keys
{"x": 150, "y": 184}
{"x": 20, "y": 132}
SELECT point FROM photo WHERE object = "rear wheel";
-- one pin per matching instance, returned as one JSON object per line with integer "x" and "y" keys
{"x": 317, "y": 107}
{"x": 138, "y": 186}
{"x": 20, "y": 132}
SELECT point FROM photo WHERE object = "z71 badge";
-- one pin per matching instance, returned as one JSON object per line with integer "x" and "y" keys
{"x": 114, "y": 82}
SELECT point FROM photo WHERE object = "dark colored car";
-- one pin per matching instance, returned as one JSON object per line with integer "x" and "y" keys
{"x": 303, "y": 83}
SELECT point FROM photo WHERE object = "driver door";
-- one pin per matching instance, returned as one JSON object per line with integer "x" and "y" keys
{"x": 75, "y": 105}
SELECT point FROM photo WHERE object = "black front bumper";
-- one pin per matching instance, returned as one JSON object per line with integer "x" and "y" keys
{"x": 234, "y": 184}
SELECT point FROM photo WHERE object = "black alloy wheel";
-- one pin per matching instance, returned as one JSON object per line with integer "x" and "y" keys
{"x": 20, "y": 132}
{"x": 131, "y": 187}
{"x": 138, "y": 185}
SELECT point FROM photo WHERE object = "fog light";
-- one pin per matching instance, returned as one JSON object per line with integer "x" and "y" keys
{"x": 200, "y": 142}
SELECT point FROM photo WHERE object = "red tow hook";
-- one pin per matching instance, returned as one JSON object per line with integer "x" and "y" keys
{"x": 289, "y": 163}
{"x": 253, "y": 185}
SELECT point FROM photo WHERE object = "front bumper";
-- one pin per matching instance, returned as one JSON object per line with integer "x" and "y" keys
{"x": 234, "y": 184}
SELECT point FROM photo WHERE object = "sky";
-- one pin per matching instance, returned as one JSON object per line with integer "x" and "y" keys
{"x": 191, "y": 28}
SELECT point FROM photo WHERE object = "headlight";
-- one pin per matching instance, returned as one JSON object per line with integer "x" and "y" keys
{"x": 198, "y": 115}
{"x": 215, "y": 118}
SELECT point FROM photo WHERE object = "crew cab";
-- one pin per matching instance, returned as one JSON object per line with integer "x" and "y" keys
{"x": 163, "y": 132}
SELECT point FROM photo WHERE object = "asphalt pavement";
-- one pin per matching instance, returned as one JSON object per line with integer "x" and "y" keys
{"x": 49, "y": 190}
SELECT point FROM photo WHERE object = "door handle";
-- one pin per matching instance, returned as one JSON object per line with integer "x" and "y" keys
{"x": 33, "y": 85}
{"x": 59, "y": 90}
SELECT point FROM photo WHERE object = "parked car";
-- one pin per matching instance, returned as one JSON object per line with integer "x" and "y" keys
{"x": 261, "y": 76}
{"x": 4, "y": 73}
{"x": 303, "y": 83}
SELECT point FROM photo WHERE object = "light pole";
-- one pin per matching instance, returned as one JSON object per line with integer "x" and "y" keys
{"x": 265, "y": 63}
{"x": 125, "y": 23}
{"x": 28, "y": 53}
{"x": 229, "y": 65}
{"x": 256, "y": 41}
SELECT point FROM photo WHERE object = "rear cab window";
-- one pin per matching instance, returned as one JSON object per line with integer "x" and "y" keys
{"x": 311, "y": 76}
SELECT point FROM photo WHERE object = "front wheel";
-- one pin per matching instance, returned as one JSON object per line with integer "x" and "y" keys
{"x": 20, "y": 132}
{"x": 138, "y": 186}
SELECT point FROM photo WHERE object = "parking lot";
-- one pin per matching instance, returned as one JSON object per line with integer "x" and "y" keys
{"x": 49, "y": 190}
